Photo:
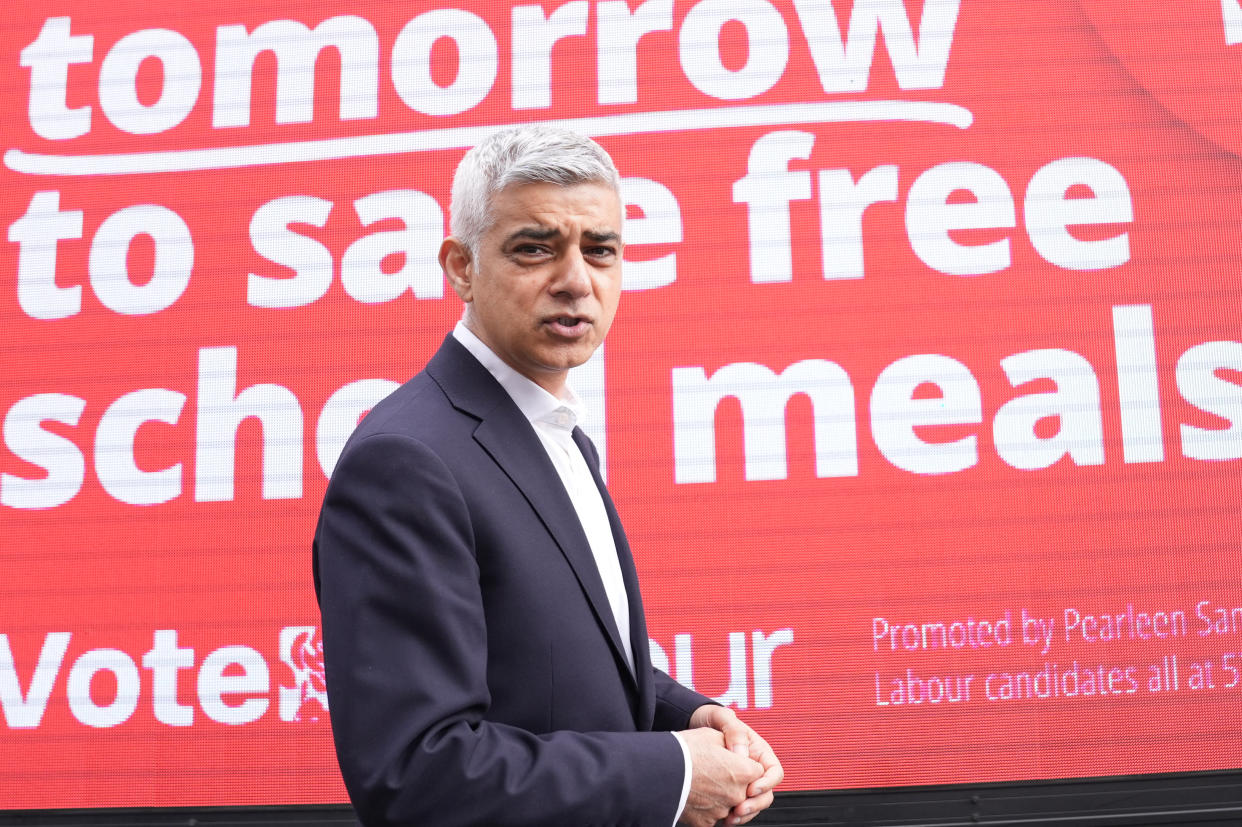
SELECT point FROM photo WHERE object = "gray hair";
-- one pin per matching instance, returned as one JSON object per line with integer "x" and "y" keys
{"x": 521, "y": 155}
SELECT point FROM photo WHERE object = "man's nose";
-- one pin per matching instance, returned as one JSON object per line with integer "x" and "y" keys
{"x": 573, "y": 276}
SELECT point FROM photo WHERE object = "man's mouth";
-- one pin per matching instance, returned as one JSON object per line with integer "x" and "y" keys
{"x": 569, "y": 326}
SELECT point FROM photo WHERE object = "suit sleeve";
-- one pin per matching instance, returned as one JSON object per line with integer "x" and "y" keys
{"x": 674, "y": 702}
{"x": 405, "y": 655}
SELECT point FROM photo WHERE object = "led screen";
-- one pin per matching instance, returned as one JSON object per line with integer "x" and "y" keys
{"x": 923, "y": 409}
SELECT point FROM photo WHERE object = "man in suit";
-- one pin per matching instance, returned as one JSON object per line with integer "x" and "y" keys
{"x": 485, "y": 648}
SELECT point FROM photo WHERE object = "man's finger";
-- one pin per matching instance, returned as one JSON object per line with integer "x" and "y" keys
{"x": 772, "y": 776}
{"x": 763, "y": 784}
{"x": 749, "y": 808}
{"x": 773, "y": 772}
{"x": 737, "y": 735}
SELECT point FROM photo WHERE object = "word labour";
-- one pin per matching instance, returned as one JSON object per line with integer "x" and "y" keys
{"x": 108, "y": 687}
{"x": 1074, "y": 680}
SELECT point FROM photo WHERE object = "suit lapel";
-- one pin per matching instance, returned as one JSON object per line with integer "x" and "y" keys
{"x": 506, "y": 435}
{"x": 638, "y": 624}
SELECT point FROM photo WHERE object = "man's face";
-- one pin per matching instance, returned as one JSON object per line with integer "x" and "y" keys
{"x": 543, "y": 289}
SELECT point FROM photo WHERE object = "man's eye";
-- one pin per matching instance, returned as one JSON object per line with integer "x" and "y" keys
{"x": 601, "y": 252}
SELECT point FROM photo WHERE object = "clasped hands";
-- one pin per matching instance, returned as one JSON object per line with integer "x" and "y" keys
{"x": 734, "y": 769}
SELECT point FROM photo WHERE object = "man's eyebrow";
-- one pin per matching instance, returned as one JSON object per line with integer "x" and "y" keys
{"x": 601, "y": 236}
{"x": 538, "y": 233}
{"x": 535, "y": 233}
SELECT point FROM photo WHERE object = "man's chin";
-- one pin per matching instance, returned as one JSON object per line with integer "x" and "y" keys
{"x": 567, "y": 357}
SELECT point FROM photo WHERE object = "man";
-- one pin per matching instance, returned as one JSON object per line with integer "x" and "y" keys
{"x": 484, "y": 640}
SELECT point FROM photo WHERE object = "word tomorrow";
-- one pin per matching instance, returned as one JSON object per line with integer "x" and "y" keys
{"x": 842, "y": 59}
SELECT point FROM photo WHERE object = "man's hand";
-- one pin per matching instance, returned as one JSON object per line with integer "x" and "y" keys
{"x": 719, "y": 781}
{"x": 740, "y": 739}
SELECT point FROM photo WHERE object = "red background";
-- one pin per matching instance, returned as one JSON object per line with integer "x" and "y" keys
{"x": 1149, "y": 88}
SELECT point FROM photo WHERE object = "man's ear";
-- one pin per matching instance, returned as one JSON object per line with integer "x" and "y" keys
{"x": 456, "y": 262}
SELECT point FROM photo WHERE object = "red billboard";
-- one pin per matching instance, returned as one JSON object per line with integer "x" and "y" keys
{"x": 923, "y": 407}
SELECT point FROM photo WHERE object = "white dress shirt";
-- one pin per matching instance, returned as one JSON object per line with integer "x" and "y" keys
{"x": 554, "y": 420}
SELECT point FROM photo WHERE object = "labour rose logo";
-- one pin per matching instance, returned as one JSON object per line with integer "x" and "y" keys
{"x": 301, "y": 649}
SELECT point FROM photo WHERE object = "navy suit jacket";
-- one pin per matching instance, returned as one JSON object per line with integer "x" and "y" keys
{"x": 475, "y": 673}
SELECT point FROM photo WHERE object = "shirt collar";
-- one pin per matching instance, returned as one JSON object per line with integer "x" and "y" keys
{"x": 535, "y": 403}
